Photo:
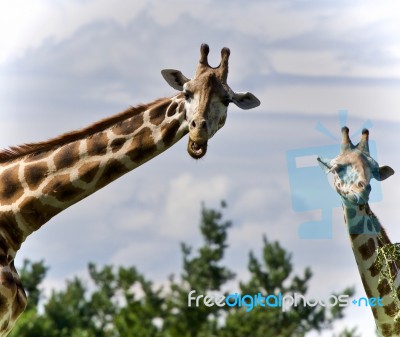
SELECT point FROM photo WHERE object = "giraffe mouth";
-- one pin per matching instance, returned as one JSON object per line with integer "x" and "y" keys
{"x": 355, "y": 198}
{"x": 196, "y": 150}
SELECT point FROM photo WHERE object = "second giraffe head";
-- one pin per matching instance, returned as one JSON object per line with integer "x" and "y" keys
{"x": 354, "y": 168}
{"x": 207, "y": 97}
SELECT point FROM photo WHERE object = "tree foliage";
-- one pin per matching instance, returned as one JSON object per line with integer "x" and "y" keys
{"x": 121, "y": 302}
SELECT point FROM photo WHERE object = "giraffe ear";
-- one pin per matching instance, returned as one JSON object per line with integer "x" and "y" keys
{"x": 245, "y": 100}
{"x": 174, "y": 78}
{"x": 384, "y": 173}
{"x": 325, "y": 164}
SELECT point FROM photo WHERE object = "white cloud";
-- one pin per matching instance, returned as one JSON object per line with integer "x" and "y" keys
{"x": 185, "y": 193}
{"x": 364, "y": 101}
{"x": 133, "y": 220}
{"x": 306, "y": 63}
{"x": 327, "y": 63}
{"x": 146, "y": 256}
{"x": 28, "y": 25}
{"x": 168, "y": 12}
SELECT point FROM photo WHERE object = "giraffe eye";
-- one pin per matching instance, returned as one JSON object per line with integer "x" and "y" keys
{"x": 188, "y": 95}
{"x": 339, "y": 168}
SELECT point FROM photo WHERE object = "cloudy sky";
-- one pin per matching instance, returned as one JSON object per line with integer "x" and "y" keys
{"x": 65, "y": 64}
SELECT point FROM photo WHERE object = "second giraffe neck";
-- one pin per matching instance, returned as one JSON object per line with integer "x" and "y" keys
{"x": 367, "y": 237}
{"x": 36, "y": 187}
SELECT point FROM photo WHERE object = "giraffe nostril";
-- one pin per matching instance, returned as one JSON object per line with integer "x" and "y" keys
{"x": 201, "y": 125}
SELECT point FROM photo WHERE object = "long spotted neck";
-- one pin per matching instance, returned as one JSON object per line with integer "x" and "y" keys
{"x": 367, "y": 237}
{"x": 35, "y": 187}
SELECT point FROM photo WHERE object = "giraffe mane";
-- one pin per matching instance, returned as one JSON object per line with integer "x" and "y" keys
{"x": 30, "y": 149}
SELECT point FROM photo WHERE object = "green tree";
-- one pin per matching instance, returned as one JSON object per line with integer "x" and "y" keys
{"x": 120, "y": 302}
{"x": 202, "y": 272}
{"x": 273, "y": 275}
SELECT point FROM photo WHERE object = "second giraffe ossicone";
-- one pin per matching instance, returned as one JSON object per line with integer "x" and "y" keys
{"x": 39, "y": 180}
{"x": 378, "y": 260}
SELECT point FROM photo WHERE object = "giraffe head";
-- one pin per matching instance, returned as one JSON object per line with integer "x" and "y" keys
{"x": 354, "y": 168}
{"x": 207, "y": 97}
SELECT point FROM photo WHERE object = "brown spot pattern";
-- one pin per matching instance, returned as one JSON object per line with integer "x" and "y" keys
{"x": 61, "y": 188}
{"x": 172, "y": 109}
{"x": 357, "y": 228}
{"x": 367, "y": 249}
{"x": 396, "y": 328}
{"x": 354, "y": 236}
{"x": 386, "y": 330}
{"x": 67, "y": 156}
{"x": 374, "y": 270}
{"x": 8, "y": 280}
{"x": 128, "y": 126}
{"x": 97, "y": 144}
{"x": 13, "y": 233}
{"x": 10, "y": 187}
{"x": 35, "y": 213}
{"x": 112, "y": 171}
{"x": 3, "y": 249}
{"x": 157, "y": 114}
{"x": 35, "y": 173}
{"x": 351, "y": 213}
{"x": 142, "y": 146}
{"x": 12, "y": 305}
{"x": 390, "y": 309}
{"x": 88, "y": 171}
{"x": 5, "y": 325}
{"x": 383, "y": 288}
{"x": 19, "y": 304}
{"x": 169, "y": 131}
{"x": 116, "y": 144}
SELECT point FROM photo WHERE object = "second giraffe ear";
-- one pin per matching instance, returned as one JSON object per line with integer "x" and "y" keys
{"x": 174, "y": 78}
{"x": 325, "y": 164}
{"x": 384, "y": 173}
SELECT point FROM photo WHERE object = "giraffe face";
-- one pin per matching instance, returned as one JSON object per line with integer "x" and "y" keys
{"x": 206, "y": 106}
{"x": 352, "y": 175}
{"x": 353, "y": 170}
{"x": 207, "y": 97}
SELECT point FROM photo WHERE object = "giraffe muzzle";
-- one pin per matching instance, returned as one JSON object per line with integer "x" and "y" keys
{"x": 356, "y": 198}
{"x": 196, "y": 150}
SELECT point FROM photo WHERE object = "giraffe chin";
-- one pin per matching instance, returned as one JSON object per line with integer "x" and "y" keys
{"x": 196, "y": 150}
{"x": 356, "y": 199}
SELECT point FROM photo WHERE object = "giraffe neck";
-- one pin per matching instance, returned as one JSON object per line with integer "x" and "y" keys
{"x": 36, "y": 186}
{"x": 367, "y": 236}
